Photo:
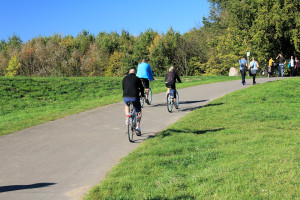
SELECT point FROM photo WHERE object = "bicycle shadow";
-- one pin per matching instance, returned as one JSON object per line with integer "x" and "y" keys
{"x": 10, "y": 188}
{"x": 144, "y": 136}
{"x": 180, "y": 102}
{"x": 196, "y": 107}
{"x": 169, "y": 132}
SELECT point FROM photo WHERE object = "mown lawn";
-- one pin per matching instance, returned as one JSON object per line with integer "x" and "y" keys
{"x": 27, "y": 101}
{"x": 244, "y": 145}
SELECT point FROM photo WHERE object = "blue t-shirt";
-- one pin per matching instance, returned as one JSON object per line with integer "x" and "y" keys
{"x": 243, "y": 61}
{"x": 253, "y": 65}
{"x": 144, "y": 71}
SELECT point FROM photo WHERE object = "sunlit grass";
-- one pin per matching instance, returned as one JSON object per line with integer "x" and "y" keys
{"x": 244, "y": 145}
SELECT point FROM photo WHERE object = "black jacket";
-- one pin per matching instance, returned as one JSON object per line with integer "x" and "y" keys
{"x": 171, "y": 78}
{"x": 132, "y": 86}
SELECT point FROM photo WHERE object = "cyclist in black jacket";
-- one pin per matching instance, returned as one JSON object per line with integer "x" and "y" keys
{"x": 170, "y": 81}
{"x": 132, "y": 87}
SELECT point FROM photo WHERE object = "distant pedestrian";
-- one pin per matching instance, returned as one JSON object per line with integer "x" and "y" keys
{"x": 271, "y": 61}
{"x": 243, "y": 68}
{"x": 253, "y": 69}
{"x": 281, "y": 61}
{"x": 292, "y": 66}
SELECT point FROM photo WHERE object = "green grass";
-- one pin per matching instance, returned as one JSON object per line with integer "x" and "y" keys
{"x": 27, "y": 101}
{"x": 244, "y": 145}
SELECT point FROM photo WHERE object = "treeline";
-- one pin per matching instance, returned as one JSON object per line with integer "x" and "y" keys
{"x": 265, "y": 28}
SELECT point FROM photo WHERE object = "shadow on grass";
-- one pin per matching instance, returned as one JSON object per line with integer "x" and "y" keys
{"x": 10, "y": 188}
{"x": 168, "y": 132}
{"x": 196, "y": 107}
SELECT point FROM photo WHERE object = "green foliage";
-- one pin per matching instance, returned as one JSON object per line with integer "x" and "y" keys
{"x": 251, "y": 152}
{"x": 265, "y": 28}
{"x": 115, "y": 65}
{"x": 13, "y": 66}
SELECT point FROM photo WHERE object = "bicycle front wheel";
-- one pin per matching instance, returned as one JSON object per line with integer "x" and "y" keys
{"x": 142, "y": 101}
{"x": 169, "y": 103}
{"x": 177, "y": 100}
{"x": 150, "y": 96}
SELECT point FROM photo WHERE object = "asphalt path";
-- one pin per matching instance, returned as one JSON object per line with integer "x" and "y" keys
{"x": 63, "y": 159}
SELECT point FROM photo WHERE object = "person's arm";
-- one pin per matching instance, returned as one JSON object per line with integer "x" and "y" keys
{"x": 257, "y": 65}
{"x": 150, "y": 72}
{"x": 178, "y": 78}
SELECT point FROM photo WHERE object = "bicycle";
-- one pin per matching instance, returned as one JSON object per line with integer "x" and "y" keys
{"x": 142, "y": 99}
{"x": 263, "y": 71}
{"x": 132, "y": 122}
{"x": 170, "y": 100}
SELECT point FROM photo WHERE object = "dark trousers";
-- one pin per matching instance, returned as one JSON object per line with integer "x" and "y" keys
{"x": 254, "y": 75}
{"x": 292, "y": 71}
{"x": 243, "y": 77}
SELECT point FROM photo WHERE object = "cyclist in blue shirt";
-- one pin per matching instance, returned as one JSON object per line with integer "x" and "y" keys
{"x": 145, "y": 73}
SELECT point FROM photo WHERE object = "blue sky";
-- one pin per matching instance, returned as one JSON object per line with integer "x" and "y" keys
{"x": 31, "y": 18}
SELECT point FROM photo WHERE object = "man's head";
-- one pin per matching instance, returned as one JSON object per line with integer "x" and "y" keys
{"x": 144, "y": 60}
{"x": 132, "y": 71}
{"x": 171, "y": 69}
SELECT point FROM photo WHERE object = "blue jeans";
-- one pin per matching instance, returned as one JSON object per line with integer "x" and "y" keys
{"x": 281, "y": 69}
{"x": 243, "y": 77}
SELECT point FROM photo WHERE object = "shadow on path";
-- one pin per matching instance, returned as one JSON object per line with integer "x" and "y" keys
{"x": 10, "y": 188}
{"x": 190, "y": 102}
{"x": 143, "y": 137}
{"x": 180, "y": 102}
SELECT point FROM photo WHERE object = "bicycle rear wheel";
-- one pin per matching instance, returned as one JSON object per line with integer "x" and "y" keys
{"x": 150, "y": 96}
{"x": 169, "y": 103}
{"x": 132, "y": 122}
{"x": 177, "y": 100}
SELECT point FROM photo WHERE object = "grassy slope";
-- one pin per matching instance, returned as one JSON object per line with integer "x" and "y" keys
{"x": 244, "y": 145}
{"x": 29, "y": 101}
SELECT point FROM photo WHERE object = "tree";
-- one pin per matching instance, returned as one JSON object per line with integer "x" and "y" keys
{"x": 13, "y": 66}
{"x": 115, "y": 65}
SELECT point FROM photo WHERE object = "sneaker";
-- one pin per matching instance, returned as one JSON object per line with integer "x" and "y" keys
{"x": 127, "y": 121}
{"x": 138, "y": 131}
{"x": 147, "y": 101}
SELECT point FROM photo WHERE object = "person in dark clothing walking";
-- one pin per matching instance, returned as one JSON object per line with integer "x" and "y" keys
{"x": 243, "y": 68}
{"x": 170, "y": 81}
{"x": 282, "y": 61}
{"x": 132, "y": 87}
